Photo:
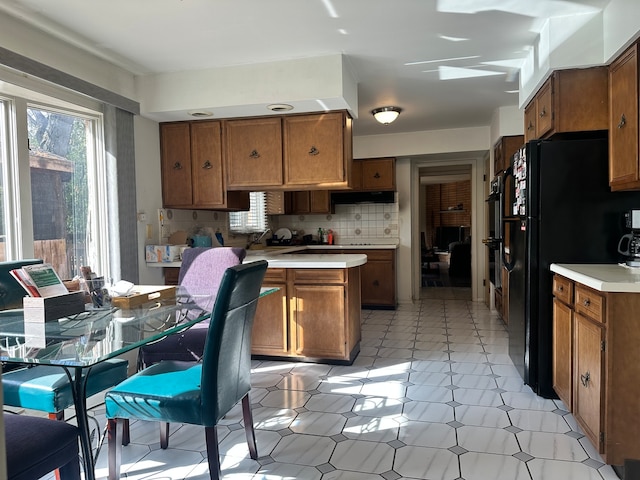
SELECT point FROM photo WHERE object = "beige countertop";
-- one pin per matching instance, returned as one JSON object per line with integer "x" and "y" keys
{"x": 601, "y": 277}
{"x": 295, "y": 259}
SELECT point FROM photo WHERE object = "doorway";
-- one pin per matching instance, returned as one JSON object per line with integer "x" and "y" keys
{"x": 454, "y": 171}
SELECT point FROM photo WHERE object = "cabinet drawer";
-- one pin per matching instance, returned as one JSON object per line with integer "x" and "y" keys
{"x": 318, "y": 275}
{"x": 563, "y": 289}
{"x": 589, "y": 303}
{"x": 381, "y": 255}
{"x": 275, "y": 275}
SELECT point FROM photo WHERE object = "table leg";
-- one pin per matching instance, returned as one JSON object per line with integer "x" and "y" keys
{"x": 79, "y": 391}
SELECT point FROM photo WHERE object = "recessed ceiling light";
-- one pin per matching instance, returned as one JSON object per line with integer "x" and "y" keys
{"x": 280, "y": 107}
{"x": 200, "y": 113}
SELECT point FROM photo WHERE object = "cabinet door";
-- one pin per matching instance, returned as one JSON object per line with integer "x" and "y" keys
{"x": 319, "y": 201}
{"x": 530, "y": 121}
{"x": 356, "y": 175}
{"x": 623, "y": 121}
{"x": 378, "y": 279}
{"x": 318, "y": 321}
{"x": 206, "y": 164}
{"x": 588, "y": 377}
{"x": 270, "y": 327}
{"x": 562, "y": 354}
{"x": 314, "y": 150}
{"x": 544, "y": 108}
{"x": 175, "y": 153}
{"x": 379, "y": 174}
{"x": 253, "y": 153}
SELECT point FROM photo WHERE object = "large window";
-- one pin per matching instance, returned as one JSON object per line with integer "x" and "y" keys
{"x": 53, "y": 151}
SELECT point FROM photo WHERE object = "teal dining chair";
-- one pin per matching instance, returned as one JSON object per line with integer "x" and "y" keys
{"x": 198, "y": 393}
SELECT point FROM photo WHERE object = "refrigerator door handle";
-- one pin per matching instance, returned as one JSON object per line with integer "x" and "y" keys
{"x": 507, "y": 173}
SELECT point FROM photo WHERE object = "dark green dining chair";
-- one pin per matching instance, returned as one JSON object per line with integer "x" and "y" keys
{"x": 204, "y": 392}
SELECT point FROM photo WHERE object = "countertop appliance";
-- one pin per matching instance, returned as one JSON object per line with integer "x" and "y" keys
{"x": 629, "y": 244}
{"x": 563, "y": 211}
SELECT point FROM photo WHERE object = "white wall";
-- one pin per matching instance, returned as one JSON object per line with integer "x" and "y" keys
{"x": 148, "y": 191}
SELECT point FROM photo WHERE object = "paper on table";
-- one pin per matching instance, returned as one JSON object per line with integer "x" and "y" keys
{"x": 45, "y": 279}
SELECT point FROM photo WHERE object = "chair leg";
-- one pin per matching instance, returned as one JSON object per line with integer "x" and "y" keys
{"x": 126, "y": 433}
{"x": 70, "y": 471}
{"x": 114, "y": 435}
{"x": 59, "y": 416}
{"x": 213, "y": 454}
{"x": 164, "y": 435}
{"x": 247, "y": 416}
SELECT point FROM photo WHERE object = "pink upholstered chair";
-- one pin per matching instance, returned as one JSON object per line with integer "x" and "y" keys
{"x": 201, "y": 271}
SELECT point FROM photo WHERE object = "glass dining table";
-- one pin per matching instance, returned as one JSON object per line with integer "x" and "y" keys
{"x": 79, "y": 342}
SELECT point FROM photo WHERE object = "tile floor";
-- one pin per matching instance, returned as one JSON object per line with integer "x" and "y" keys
{"x": 432, "y": 395}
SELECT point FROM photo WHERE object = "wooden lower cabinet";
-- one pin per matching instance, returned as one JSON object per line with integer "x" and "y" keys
{"x": 596, "y": 365}
{"x": 171, "y": 275}
{"x": 270, "y": 334}
{"x": 588, "y": 388}
{"x": 378, "y": 279}
{"x": 315, "y": 315}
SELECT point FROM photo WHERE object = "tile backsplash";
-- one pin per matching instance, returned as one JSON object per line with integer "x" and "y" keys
{"x": 350, "y": 223}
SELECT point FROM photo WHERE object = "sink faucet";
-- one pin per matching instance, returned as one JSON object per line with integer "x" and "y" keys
{"x": 257, "y": 239}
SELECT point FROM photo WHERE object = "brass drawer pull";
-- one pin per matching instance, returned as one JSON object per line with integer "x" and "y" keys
{"x": 254, "y": 154}
{"x": 623, "y": 121}
{"x": 207, "y": 165}
{"x": 314, "y": 151}
{"x": 177, "y": 166}
{"x": 584, "y": 379}
{"x": 586, "y": 302}
{"x": 543, "y": 112}
{"x": 560, "y": 288}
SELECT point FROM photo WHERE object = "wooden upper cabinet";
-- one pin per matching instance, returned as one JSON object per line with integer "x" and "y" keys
{"x": 530, "y": 121}
{"x": 504, "y": 149}
{"x": 624, "y": 169}
{"x": 317, "y": 151}
{"x": 378, "y": 174}
{"x": 253, "y": 150}
{"x": 206, "y": 164}
{"x": 574, "y": 100}
{"x": 313, "y": 201}
{"x": 192, "y": 168}
{"x": 175, "y": 152}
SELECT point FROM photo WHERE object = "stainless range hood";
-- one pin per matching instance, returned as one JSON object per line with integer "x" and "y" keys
{"x": 341, "y": 198}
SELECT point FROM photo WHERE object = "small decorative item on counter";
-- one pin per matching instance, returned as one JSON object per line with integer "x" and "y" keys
{"x": 330, "y": 237}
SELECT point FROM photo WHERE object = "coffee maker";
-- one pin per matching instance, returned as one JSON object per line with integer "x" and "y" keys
{"x": 629, "y": 244}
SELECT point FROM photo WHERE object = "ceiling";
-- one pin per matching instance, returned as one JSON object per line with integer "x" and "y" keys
{"x": 446, "y": 63}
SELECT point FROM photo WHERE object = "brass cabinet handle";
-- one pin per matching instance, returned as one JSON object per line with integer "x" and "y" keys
{"x": 376, "y": 283}
{"x": 586, "y": 302}
{"x": 584, "y": 379}
{"x": 560, "y": 289}
{"x": 314, "y": 150}
{"x": 254, "y": 154}
{"x": 623, "y": 121}
{"x": 377, "y": 175}
{"x": 207, "y": 165}
{"x": 543, "y": 112}
{"x": 530, "y": 127}
{"x": 177, "y": 166}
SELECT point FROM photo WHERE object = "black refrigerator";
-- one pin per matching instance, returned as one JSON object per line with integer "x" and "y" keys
{"x": 559, "y": 209}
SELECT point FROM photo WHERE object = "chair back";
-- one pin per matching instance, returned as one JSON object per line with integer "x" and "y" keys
{"x": 226, "y": 364}
{"x": 203, "y": 267}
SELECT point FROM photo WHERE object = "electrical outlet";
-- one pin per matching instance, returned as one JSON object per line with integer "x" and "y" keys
{"x": 142, "y": 217}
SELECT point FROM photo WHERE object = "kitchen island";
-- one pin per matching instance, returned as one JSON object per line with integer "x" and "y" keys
{"x": 596, "y": 360}
{"x": 315, "y": 314}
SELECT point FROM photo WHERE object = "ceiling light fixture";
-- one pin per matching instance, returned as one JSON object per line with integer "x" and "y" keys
{"x": 386, "y": 115}
{"x": 280, "y": 107}
{"x": 200, "y": 113}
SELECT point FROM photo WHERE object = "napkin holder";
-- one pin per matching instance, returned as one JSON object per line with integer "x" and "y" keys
{"x": 47, "y": 309}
